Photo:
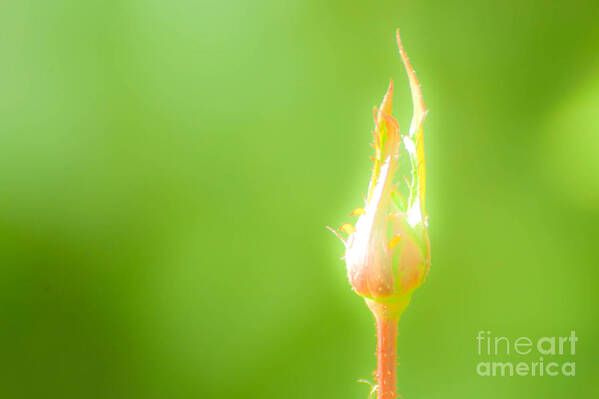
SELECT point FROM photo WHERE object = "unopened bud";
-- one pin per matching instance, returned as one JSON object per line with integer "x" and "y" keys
{"x": 388, "y": 251}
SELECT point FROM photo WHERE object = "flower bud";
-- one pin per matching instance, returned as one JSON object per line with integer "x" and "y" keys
{"x": 388, "y": 252}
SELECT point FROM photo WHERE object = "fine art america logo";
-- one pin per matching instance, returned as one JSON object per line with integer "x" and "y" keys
{"x": 546, "y": 356}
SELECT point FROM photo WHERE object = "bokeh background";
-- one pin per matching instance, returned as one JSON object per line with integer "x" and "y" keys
{"x": 167, "y": 169}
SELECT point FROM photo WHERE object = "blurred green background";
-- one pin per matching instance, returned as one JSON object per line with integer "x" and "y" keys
{"x": 167, "y": 169}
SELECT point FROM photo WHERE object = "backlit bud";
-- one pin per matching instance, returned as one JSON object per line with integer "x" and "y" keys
{"x": 388, "y": 252}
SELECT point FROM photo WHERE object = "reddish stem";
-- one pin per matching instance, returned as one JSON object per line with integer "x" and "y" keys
{"x": 386, "y": 352}
{"x": 387, "y": 316}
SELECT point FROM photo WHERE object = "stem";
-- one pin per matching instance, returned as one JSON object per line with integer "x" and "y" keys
{"x": 386, "y": 352}
{"x": 387, "y": 318}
